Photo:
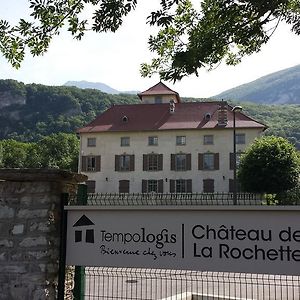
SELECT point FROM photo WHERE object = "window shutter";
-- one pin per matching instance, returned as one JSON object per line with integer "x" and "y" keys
{"x": 91, "y": 186}
{"x": 144, "y": 186}
{"x": 98, "y": 163}
{"x": 189, "y": 185}
{"x": 117, "y": 162}
{"x": 231, "y": 161}
{"x": 208, "y": 185}
{"x": 188, "y": 161}
{"x": 131, "y": 167}
{"x": 160, "y": 162}
{"x": 172, "y": 162}
{"x": 160, "y": 186}
{"x": 83, "y": 163}
{"x": 172, "y": 186}
{"x": 124, "y": 186}
{"x": 145, "y": 162}
{"x": 216, "y": 161}
{"x": 200, "y": 161}
{"x": 231, "y": 187}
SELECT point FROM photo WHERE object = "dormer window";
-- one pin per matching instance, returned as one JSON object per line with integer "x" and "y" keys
{"x": 207, "y": 116}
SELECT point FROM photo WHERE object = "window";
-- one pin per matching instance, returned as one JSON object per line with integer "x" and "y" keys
{"x": 124, "y": 162}
{"x": 180, "y": 140}
{"x": 125, "y": 141}
{"x": 208, "y": 185}
{"x": 91, "y": 163}
{"x": 158, "y": 99}
{"x": 240, "y": 138}
{"x": 91, "y": 142}
{"x": 124, "y": 186}
{"x": 208, "y": 161}
{"x": 208, "y": 140}
{"x": 91, "y": 186}
{"x": 152, "y": 162}
{"x": 152, "y": 140}
{"x": 180, "y": 162}
{"x": 152, "y": 186}
{"x": 181, "y": 186}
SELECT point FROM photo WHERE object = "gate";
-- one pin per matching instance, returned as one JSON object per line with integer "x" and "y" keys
{"x": 108, "y": 283}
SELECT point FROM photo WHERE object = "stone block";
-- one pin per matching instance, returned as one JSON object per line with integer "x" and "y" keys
{"x": 6, "y": 212}
{"x": 18, "y": 229}
{"x": 37, "y": 255}
{"x": 17, "y": 269}
{"x": 3, "y": 256}
{"x": 5, "y": 229}
{"x": 30, "y": 214}
{"x": 34, "y": 241}
{"x": 6, "y": 243}
{"x": 26, "y": 200}
{"x": 16, "y": 255}
{"x": 41, "y": 226}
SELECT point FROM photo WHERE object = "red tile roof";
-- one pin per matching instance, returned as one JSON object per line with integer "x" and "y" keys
{"x": 152, "y": 117}
{"x": 159, "y": 89}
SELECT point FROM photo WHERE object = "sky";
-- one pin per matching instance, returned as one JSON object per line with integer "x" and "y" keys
{"x": 115, "y": 58}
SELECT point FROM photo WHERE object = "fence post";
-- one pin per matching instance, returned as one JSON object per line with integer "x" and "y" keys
{"x": 79, "y": 277}
{"x": 62, "y": 247}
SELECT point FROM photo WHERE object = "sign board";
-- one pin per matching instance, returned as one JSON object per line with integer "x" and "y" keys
{"x": 223, "y": 239}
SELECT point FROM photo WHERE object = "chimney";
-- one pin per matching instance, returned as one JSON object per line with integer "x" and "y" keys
{"x": 172, "y": 107}
{"x": 222, "y": 114}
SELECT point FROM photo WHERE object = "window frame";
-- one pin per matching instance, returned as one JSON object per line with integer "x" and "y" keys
{"x": 153, "y": 162}
{"x": 180, "y": 140}
{"x": 154, "y": 184}
{"x": 89, "y": 144}
{"x": 180, "y": 186}
{"x": 154, "y": 139}
{"x": 208, "y": 139}
{"x": 181, "y": 166}
{"x": 91, "y": 163}
{"x": 124, "y": 162}
{"x": 158, "y": 100}
{"x": 210, "y": 163}
{"x": 240, "y": 138}
{"x": 125, "y": 141}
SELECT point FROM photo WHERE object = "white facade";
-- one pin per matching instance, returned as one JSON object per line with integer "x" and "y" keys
{"x": 108, "y": 144}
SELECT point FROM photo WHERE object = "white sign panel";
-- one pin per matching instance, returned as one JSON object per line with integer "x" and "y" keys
{"x": 222, "y": 239}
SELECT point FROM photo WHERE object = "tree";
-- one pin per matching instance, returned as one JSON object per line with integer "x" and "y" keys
{"x": 189, "y": 39}
{"x": 13, "y": 154}
{"x": 270, "y": 165}
{"x": 59, "y": 150}
{"x": 221, "y": 30}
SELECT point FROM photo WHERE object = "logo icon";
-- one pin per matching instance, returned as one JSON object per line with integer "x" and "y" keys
{"x": 85, "y": 222}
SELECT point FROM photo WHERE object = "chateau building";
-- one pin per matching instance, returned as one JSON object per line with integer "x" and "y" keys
{"x": 164, "y": 145}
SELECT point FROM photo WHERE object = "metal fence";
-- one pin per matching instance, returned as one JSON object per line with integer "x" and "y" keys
{"x": 153, "y": 284}
{"x": 148, "y": 199}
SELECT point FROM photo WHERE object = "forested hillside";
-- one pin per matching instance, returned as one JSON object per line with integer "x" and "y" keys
{"x": 30, "y": 112}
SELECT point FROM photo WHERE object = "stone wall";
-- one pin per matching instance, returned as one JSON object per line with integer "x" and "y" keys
{"x": 29, "y": 231}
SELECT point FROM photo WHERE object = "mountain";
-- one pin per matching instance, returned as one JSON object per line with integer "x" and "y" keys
{"x": 97, "y": 86}
{"x": 28, "y": 112}
{"x": 282, "y": 87}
